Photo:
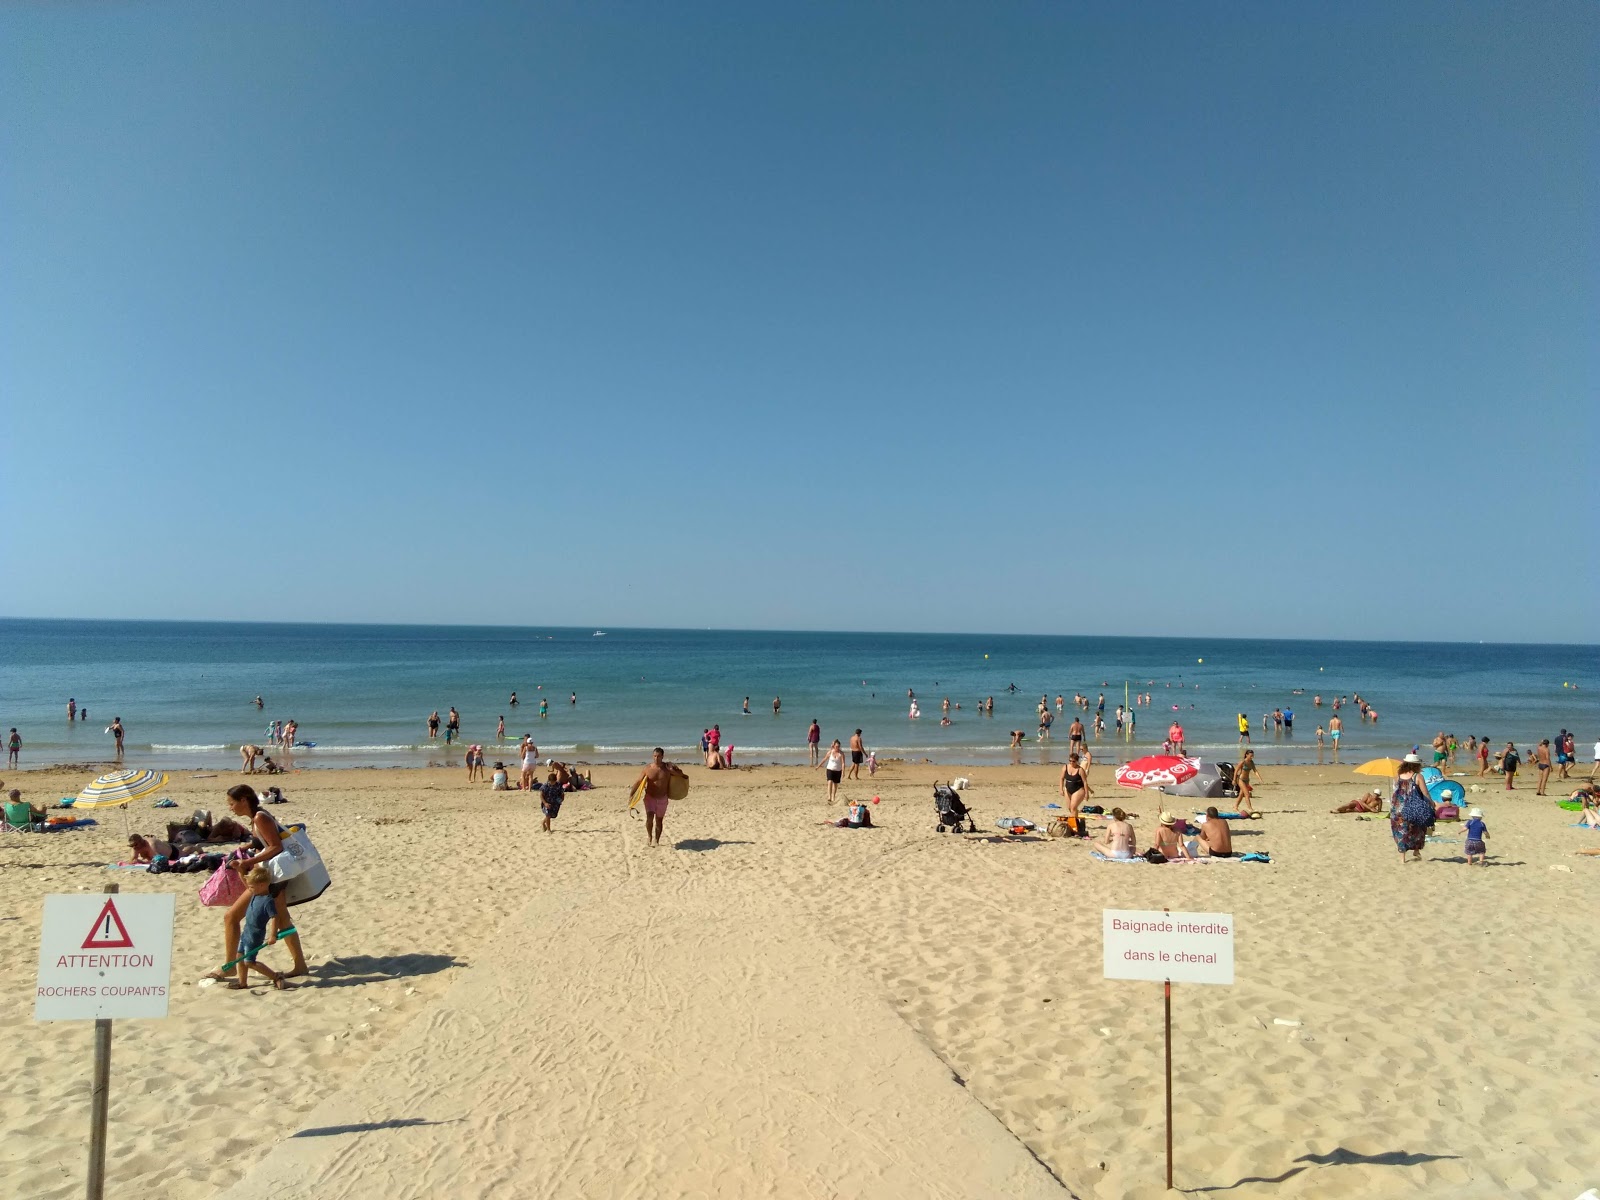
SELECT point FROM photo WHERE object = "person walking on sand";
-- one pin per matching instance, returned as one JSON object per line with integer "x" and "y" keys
{"x": 1510, "y": 760}
{"x": 530, "y": 763}
{"x": 1541, "y": 762}
{"x": 1245, "y": 776}
{"x": 833, "y": 766}
{"x": 657, "y": 779}
{"x": 813, "y": 740}
{"x": 267, "y": 844}
{"x": 1564, "y": 753}
{"x": 115, "y": 730}
{"x": 1411, "y": 813}
{"x": 259, "y": 911}
{"x": 550, "y": 797}
{"x": 13, "y": 747}
{"x": 1074, "y": 788}
{"x": 1477, "y": 834}
{"x": 858, "y": 754}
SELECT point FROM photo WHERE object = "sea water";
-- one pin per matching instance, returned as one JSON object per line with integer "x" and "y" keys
{"x": 185, "y": 691}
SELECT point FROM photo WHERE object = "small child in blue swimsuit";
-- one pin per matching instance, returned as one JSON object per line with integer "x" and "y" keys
{"x": 1477, "y": 834}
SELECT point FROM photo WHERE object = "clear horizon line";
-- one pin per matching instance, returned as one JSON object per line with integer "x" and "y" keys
{"x": 759, "y": 629}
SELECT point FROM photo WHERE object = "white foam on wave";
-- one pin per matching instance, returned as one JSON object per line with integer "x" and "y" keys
{"x": 161, "y": 746}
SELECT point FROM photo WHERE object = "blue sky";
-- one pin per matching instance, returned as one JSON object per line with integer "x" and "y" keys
{"x": 1215, "y": 320}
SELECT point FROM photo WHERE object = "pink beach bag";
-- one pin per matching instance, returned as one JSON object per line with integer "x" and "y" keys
{"x": 223, "y": 888}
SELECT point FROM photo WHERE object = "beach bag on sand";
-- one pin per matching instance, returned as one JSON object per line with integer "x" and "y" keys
{"x": 296, "y": 856}
{"x": 223, "y": 888}
{"x": 677, "y": 787}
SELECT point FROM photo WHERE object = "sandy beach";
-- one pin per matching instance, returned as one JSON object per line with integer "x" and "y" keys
{"x": 770, "y": 1006}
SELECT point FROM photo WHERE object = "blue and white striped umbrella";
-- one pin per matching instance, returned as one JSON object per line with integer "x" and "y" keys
{"x": 120, "y": 787}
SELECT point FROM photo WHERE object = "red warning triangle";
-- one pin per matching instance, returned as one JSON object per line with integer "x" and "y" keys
{"x": 101, "y": 936}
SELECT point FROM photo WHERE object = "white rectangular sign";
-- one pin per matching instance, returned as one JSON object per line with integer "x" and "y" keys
{"x": 104, "y": 956}
{"x": 1182, "y": 947}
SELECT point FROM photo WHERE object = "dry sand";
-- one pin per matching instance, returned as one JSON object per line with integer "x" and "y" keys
{"x": 769, "y": 1006}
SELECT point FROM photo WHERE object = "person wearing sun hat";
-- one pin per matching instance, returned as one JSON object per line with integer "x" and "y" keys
{"x": 1167, "y": 840}
{"x": 1411, "y": 813}
{"x": 1477, "y": 834}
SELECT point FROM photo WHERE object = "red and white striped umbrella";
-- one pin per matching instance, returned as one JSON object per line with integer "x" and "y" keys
{"x": 1157, "y": 770}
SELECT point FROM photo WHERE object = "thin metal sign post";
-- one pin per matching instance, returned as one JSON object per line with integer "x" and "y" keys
{"x": 1167, "y": 988}
{"x": 1162, "y": 946}
{"x": 100, "y": 1101}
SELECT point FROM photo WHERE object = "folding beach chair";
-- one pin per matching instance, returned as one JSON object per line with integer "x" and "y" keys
{"x": 18, "y": 819}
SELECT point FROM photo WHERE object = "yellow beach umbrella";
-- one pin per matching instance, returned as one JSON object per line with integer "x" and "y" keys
{"x": 120, "y": 787}
{"x": 1389, "y": 768}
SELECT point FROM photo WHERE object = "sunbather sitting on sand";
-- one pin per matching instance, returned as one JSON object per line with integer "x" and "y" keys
{"x": 1369, "y": 802}
{"x": 1216, "y": 839}
{"x": 1119, "y": 840}
{"x": 1167, "y": 840}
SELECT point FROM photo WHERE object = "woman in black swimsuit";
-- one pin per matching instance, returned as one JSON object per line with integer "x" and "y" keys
{"x": 1074, "y": 789}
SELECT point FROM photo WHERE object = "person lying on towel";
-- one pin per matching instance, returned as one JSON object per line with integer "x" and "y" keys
{"x": 1369, "y": 802}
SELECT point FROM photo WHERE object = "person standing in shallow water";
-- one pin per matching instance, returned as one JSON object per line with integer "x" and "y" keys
{"x": 813, "y": 740}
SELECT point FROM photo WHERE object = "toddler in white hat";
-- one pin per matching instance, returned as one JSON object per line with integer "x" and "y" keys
{"x": 1477, "y": 834}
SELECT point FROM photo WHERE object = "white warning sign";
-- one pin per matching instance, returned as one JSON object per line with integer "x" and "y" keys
{"x": 104, "y": 956}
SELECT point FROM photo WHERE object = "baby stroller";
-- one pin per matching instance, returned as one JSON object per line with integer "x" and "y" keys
{"x": 1229, "y": 788}
{"x": 951, "y": 811}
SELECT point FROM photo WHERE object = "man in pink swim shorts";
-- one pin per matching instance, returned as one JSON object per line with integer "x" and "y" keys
{"x": 657, "y": 779}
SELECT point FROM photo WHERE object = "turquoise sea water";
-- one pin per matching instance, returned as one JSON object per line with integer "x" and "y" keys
{"x": 184, "y": 690}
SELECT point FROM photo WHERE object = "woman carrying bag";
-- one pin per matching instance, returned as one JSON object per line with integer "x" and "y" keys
{"x": 267, "y": 844}
{"x": 1411, "y": 813}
